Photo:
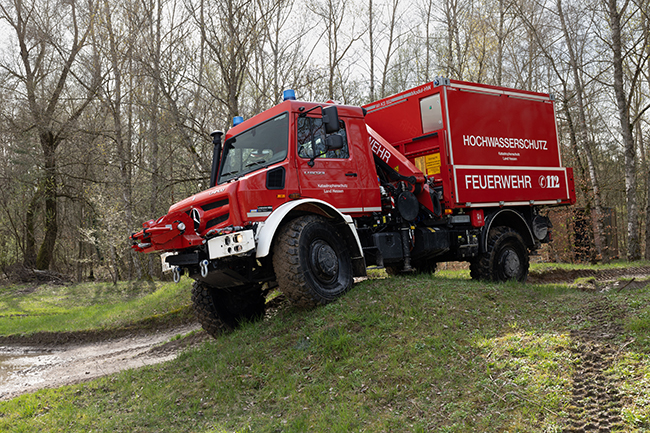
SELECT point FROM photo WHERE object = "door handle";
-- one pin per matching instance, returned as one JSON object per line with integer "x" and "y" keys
{"x": 351, "y": 174}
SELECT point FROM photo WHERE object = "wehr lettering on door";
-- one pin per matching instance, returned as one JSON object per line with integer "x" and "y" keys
{"x": 379, "y": 150}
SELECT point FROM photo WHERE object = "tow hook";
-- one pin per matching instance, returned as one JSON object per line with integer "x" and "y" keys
{"x": 204, "y": 268}
{"x": 176, "y": 273}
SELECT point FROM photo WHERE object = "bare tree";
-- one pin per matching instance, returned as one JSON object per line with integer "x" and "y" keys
{"x": 616, "y": 20}
{"x": 340, "y": 36}
{"x": 229, "y": 28}
{"x": 50, "y": 38}
{"x": 585, "y": 145}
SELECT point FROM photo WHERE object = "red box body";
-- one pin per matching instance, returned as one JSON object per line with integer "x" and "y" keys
{"x": 486, "y": 145}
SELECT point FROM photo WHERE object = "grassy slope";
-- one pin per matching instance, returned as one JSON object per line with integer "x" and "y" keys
{"x": 89, "y": 306}
{"x": 401, "y": 354}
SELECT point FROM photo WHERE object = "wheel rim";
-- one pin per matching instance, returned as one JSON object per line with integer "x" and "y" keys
{"x": 324, "y": 261}
{"x": 510, "y": 264}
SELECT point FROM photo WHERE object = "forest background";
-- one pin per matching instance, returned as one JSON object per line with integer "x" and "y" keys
{"x": 106, "y": 106}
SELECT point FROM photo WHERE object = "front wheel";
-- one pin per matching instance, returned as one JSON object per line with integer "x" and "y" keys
{"x": 506, "y": 257}
{"x": 311, "y": 261}
{"x": 222, "y": 310}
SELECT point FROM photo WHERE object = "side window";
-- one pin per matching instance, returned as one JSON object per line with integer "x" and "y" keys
{"x": 311, "y": 139}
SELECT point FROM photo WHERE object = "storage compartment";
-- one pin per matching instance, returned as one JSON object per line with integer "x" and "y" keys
{"x": 429, "y": 240}
{"x": 389, "y": 247}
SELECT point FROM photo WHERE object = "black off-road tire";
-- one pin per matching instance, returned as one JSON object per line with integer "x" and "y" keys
{"x": 311, "y": 261}
{"x": 506, "y": 257}
{"x": 222, "y": 310}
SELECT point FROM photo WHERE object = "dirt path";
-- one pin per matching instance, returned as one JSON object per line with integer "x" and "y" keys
{"x": 26, "y": 369}
{"x": 601, "y": 275}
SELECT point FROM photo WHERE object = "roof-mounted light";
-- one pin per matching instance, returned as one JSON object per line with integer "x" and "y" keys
{"x": 237, "y": 120}
{"x": 289, "y": 95}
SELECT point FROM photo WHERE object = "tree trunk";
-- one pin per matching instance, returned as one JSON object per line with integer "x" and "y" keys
{"x": 124, "y": 153}
{"x": 46, "y": 251}
{"x": 500, "y": 39}
{"x": 646, "y": 29}
{"x": 389, "y": 49}
{"x": 597, "y": 219}
{"x": 29, "y": 260}
{"x": 647, "y": 217}
{"x": 633, "y": 250}
{"x": 372, "y": 51}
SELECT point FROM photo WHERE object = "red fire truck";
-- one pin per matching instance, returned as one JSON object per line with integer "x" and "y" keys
{"x": 305, "y": 196}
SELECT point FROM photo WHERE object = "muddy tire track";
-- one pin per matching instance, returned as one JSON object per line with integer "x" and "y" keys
{"x": 596, "y": 401}
{"x": 570, "y": 275}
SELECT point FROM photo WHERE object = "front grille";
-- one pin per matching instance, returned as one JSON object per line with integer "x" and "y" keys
{"x": 214, "y": 204}
{"x": 216, "y": 221}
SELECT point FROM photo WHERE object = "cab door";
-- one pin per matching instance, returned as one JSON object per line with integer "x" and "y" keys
{"x": 333, "y": 177}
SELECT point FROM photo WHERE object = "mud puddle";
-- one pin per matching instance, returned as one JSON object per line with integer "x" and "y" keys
{"x": 26, "y": 369}
{"x": 14, "y": 360}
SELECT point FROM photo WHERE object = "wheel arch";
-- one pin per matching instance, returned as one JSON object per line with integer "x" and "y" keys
{"x": 509, "y": 218}
{"x": 268, "y": 232}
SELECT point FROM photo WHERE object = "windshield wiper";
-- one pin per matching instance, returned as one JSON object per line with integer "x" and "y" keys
{"x": 228, "y": 174}
{"x": 256, "y": 163}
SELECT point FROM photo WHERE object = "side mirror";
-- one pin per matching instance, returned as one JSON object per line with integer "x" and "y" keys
{"x": 331, "y": 119}
{"x": 334, "y": 142}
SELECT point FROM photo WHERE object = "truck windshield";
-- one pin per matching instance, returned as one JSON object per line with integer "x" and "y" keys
{"x": 257, "y": 147}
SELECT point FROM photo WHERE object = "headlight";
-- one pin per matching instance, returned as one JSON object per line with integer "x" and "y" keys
{"x": 238, "y": 238}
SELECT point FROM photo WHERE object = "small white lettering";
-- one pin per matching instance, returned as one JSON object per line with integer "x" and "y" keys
{"x": 330, "y": 185}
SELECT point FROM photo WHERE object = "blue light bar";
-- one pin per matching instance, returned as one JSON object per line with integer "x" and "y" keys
{"x": 237, "y": 120}
{"x": 289, "y": 95}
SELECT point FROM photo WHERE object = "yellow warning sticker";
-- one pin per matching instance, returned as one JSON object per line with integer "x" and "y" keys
{"x": 428, "y": 164}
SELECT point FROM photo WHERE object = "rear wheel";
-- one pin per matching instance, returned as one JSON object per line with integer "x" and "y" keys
{"x": 506, "y": 257}
{"x": 222, "y": 310}
{"x": 311, "y": 262}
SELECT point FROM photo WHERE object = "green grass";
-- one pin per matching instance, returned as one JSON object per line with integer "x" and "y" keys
{"x": 405, "y": 354}
{"x": 88, "y": 306}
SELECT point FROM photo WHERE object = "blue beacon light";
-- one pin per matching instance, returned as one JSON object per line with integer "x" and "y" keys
{"x": 237, "y": 120}
{"x": 289, "y": 95}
